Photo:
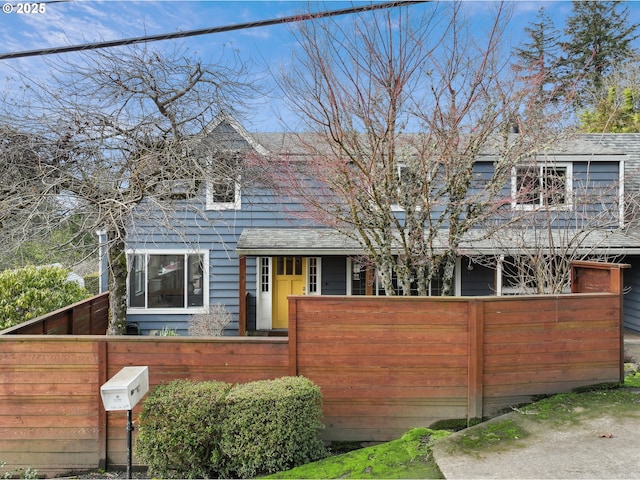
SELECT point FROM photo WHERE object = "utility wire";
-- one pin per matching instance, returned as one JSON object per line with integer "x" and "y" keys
{"x": 207, "y": 31}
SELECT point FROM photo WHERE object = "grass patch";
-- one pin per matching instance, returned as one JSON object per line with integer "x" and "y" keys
{"x": 632, "y": 381}
{"x": 407, "y": 457}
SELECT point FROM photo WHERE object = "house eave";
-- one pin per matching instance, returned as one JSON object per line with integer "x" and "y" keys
{"x": 328, "y": 242}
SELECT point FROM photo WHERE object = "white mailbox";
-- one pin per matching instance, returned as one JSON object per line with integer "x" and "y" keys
{"x": 125, "y": 388}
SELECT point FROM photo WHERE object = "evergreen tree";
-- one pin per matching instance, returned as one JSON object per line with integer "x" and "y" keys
{"x": 537, "y": 58}
{"x": 598, "y": 36}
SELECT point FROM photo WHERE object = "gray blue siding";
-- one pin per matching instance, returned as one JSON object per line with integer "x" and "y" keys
{"x": 191, "y": 226}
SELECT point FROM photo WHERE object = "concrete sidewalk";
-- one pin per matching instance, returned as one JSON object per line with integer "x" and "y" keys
{"x": 599, "y": 446}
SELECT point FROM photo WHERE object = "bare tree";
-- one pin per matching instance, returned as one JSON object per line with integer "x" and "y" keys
{"x": 110, "y": 132}
{"x": 555, "y": 219}
{"x": 400, "y": 106}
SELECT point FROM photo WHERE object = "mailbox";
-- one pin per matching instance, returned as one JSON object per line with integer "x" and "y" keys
{"x": 125, "y": 389}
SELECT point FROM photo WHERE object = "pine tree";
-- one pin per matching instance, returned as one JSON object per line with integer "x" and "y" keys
{"x": 598, "y": 36}
{"x": 537, "y": 58}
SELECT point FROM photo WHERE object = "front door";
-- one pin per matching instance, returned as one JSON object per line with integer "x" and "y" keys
{"x": 289, "y": 279}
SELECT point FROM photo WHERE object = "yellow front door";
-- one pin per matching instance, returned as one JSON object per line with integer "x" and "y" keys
{"x": 289, "y": 279}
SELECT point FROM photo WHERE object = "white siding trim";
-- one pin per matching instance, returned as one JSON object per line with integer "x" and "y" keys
{"x": 264, "y": 300}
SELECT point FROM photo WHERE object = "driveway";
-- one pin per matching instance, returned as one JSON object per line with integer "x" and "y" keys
{"x": 600, "y": 444}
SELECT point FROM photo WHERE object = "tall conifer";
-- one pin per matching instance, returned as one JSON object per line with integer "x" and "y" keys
{"x": 598, "y": 36}
{"x": 537, "y": 57}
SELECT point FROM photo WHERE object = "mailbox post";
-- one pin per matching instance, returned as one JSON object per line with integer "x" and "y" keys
{"x": 122, "y": 392}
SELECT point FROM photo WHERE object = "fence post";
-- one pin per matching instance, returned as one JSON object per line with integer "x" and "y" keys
{"x": 475, "y": 359}
{"x": 293, "y": 336}
{"x": 601, "y": 277}
{"x": 103, "y": 372}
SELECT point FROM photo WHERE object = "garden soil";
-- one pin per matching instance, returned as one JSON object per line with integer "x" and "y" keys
{"x": 607, "y": 446}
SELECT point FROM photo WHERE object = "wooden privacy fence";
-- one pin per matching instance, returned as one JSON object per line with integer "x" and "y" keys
{"x": 387, "y": 364}
{"x": 51, "y": 414}
{"x": 384, "y": 365}
{"x": 87, "y": 317}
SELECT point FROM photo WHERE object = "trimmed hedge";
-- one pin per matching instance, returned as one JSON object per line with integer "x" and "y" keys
{"x": 179, "y": 428}
{"x": 212, "y": 429}
{"x": 270, "y": 426}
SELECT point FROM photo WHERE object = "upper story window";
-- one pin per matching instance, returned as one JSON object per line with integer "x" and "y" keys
{"x": 223, "y": 193}
{"x": 541, "y": 186}
{"x": 223, "y": 181}
{"x": 172, "y": 281}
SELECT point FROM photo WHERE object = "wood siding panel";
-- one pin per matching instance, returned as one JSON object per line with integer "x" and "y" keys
{"x": 88, "y": 317}
{"x": 50, "y": 406}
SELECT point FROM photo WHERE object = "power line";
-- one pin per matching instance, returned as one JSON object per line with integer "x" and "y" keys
{"x": 207, "y": 31}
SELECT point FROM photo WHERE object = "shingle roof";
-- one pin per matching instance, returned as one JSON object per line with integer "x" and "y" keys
{"x": 325, "y": 241}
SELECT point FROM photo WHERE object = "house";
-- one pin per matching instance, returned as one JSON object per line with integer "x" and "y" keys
{"x": 244, "y": 247}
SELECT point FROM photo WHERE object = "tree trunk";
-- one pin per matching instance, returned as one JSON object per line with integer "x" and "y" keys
{"x": 449, "y": 274}
{"x": 117, "y": 261}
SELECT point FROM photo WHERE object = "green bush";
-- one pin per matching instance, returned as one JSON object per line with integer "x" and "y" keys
{"x": 210, "y": 429}
{"x": 29, "y": 292}
{"x": 179, "y": 428}
{"x": 92, "y": 283}
{"x": 270, "y": 426}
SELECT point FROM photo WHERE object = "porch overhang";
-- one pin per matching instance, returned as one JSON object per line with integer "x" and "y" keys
{"x": 477, "y": 242}
{"x": 295, "y": 241}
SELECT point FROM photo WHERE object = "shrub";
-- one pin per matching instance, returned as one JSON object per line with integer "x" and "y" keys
{"x": 210, "y": 324}
{"x": 270, "y": 426}
{"x": 209, "y": 429}
{"x": 29, "y": 292}
{"x": 179, "y": 428}
{"x": 92, "y": 283}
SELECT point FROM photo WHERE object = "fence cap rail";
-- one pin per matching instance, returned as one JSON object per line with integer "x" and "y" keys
{"x": 142, "y": 338}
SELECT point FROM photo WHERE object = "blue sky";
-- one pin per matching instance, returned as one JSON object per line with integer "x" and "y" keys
{"x": 84, "y": 21}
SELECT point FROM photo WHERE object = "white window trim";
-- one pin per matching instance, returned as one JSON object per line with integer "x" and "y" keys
{"x": 175, "y": 311}
{"x": 235, "y": 205}
{"x": 264, "y": 300}
{"x": 349, "y": 290}
{"x": 318, "y": 261}
{"x": 568, "y": 205}
{"x": 395, "y": 206}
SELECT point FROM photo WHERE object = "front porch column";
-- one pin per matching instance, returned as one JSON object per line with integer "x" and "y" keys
{"x": 242, "y": 297}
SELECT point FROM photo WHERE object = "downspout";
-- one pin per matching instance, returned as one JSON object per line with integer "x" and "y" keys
{"x": 103, "y": 258}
